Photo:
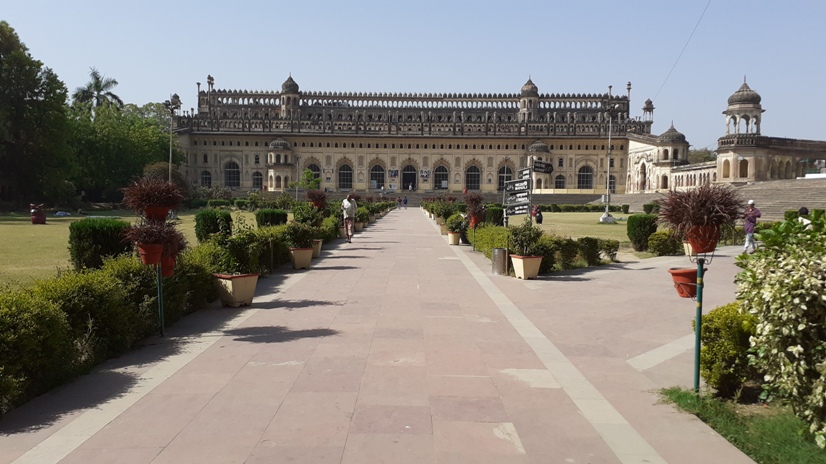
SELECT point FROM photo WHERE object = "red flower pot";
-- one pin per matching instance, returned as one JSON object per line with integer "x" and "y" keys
{"x": 318, "y": 203}
{"x": 156, "y": 213}
{"x": 703, "y": 239}
{"x": 476, "y": 219}
{"x": 167, "y": 265}
{"x": 685, "y": 281}
{"x": 150, "y": 252}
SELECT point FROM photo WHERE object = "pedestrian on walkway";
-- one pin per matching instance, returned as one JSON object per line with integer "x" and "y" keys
{"x": 399, "y": 203}
{"x": 348, "y": 208}
{"x": 749, "y": 222}
{"x": 405, "y": 202}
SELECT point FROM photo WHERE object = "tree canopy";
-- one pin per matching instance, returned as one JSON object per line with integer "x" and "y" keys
{"x": 701, "y": 155}
{"x": 98, "y": 91}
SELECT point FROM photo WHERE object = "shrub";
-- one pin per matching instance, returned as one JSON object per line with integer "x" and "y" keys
{"x": 494, "y": 215}
{"x": 362, "y": 214}
{"x": 487, "y": 237}
{"x": 242, "y": 204}
{"x": 218, "y": 203}
{"x": 148, "y": 191}
{"x": 589, "y": 250}
{"x": 92, "y": 239}
{"x": 547, "y": 247}
{"x": 790, "y": 215}
{"x": 782, "y": 285}
{"x": 211, "y": 221}
{"x": 724, "y": 355}
{"x": 640, "y": 227}
{"x": 139, "y": 284}
{"x": 609, "y": 248}
{"x": 270, "y": 217}
{"x": 306, "y": 213}
{"x": 651, "y": 208}
{"x": 456, "y": 223}
{"x": 35, "y": 347}
{"x": 567, "y": 251}
{"x": 625, "y": 209}
{"x": 283, "y": 201}
{"x": 328, "y": 231}
{"x": 97, "y": 312}
{"x": 524, "y": 237}
{"x": 272, "y": 246}
{"x": 663, "y": 243}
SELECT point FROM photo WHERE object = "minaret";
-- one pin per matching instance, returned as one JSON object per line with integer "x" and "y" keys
{"x": 290, "y": 98}
{"x": 528, "y": 102}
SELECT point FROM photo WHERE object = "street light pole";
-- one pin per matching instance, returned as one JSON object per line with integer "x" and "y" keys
{"x": 606, "y": 218}
{"x": 172, "y": 105}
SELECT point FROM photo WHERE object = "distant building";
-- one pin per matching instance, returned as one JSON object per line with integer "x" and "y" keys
{"x": 440, "y": 142}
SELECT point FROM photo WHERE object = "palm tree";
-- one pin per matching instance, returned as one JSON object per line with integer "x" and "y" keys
{"x": 98, "y": 91}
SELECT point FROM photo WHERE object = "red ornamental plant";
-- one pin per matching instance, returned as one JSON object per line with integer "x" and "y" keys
{"x": 699, "y": 214}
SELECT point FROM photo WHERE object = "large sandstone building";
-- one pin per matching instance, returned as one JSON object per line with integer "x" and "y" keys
{"x": 264, "y": 140}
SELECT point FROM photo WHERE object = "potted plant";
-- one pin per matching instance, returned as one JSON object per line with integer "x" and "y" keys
{"x": 149, "y": 237}
{"x": 456, "y": 226}
{"x": 238, "y": 267}
{"x": 152, "y": 197}
{"x": 699, "y": 214}
{"x": 317, "y": 197}
{"x": 362, "y": 215}
{"x": 174, "y": 244}
{"x": 524, "y": 239}
{"x": 475, "y": 208}
{"x": 299, "y": 237}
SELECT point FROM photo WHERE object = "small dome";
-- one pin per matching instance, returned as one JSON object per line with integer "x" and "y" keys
{"x": 672, "y": 135}
{"x": 539, "y": 147}
{"x": 649, "y": 105}
{"x": 280, "y": 144}
{"x": 530, "y": 89}
{"x": 744, "y": 95}
{"x": 289, "y": 86}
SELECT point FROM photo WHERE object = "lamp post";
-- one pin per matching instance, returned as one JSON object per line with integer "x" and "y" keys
{"x": 172, "y": 105}
{"x": 606, "y": 218}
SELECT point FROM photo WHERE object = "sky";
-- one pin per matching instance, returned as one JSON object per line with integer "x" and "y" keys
{"x": 688, "y": 56}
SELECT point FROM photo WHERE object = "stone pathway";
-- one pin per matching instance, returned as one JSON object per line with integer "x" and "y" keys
{"x": 398, "y": 348}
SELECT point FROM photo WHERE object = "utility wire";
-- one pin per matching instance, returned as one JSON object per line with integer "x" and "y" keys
{"x": 683, "y": 50}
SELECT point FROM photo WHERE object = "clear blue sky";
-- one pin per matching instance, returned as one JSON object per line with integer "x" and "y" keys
{"x": 155, "y": 48}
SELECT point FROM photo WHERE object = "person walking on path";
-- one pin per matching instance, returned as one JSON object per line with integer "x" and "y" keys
{"x": 348, "y": 208}
{"x": 399, "y": 203}
{"x": 749, "y": 221}
{"x": 405, "y": 202}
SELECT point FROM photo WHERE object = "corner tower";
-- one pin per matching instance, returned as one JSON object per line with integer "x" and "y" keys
{"x": 744, "y": 111}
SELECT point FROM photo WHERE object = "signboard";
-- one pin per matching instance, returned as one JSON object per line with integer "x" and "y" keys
{"x": 543, "y": 167}
{"x": 514, "y": 210}
{"x": 522, "y": 185}
{"x": 517, "y": 197}
{"x": 525, "y": 173}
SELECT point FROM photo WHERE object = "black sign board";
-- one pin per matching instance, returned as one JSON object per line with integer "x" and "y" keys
{"x": 513, "y": 210}
{"x": 543, "y": 167}
{"x": 522, "y": 185}
{"x": 525, "y": 173}
{"x": 517, "y": 197}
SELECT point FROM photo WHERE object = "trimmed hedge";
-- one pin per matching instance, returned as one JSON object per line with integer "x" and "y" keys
{"x": 724, "y": 353}
{"x": 651, "y": 208}
{"x": 663, "y": 243}
{"x": 270, "y": 217}
{"x": 92, "y": 239}
{"x": 609, "y": 248}
{"x": 589, "y": 250}
{"x": 494, "y": 215}
{"x": 211, "y": 221}
{"x": 640, "y": 227}
{"x": 219, "y": 203}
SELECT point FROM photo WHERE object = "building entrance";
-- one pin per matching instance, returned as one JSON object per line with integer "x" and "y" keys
{"x": 409, "y": 178}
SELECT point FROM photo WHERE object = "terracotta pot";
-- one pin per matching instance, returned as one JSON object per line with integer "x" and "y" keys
{"x": 685, "y": 281}
{"x": 150, "y": 252}
{"x": 703, "y": 239}
{"x": 167, "y": 265}
{"x": 476, "y": 219}
{"x": 156, "y": 213}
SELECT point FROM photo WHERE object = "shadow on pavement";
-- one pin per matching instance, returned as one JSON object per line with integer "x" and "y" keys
{"x": 277, "y": 334}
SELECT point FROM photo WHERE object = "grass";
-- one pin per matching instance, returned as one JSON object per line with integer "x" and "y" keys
{"x": 29, "y": 252}
{"x": 576, "y": 225}
{"x": 768, "y": 434}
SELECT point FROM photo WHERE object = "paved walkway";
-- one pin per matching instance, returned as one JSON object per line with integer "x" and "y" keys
{"x": 398, "y": 348}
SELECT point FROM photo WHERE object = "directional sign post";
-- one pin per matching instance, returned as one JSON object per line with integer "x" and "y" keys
{"x": 514, "y": 210}
{"x": 543, "y": 167}
{"x": 522, "y": 185}
{"x": 525, "y": 173}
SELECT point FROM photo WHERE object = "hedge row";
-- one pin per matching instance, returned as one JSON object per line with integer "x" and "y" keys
{"x": 583, "y": 208}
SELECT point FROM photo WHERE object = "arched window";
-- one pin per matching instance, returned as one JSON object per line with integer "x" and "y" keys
{"x": 206, "y": 179}
{"x": 585, "y": 178}
{"x": 612, "y": 184}
{"x": 441, "y": 178}
{"x": 473, "y": 178}
{"x": 559, "y": 182}
{"x": 376, "y": 177}
{"x": 665, "y": 154}
{"x": 664, "y": 182}
{"x": 232, "y": 175}
{"x": 206, "y": 159}
{"x": 505, "y": 175}
{"x": 726, "y": 169}
{"x": 345, "y": 177}
{"x": 257, "y": 159}
{"x": 744, "y": 168}
{"x": 257, "y": 180}
{"x": 316, "y": 170}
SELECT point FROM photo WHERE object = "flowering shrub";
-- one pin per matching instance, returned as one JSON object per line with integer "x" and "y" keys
{"x": 784, "y": 285}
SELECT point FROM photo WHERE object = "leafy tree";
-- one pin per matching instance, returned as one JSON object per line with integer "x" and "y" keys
{"x": 701, "y": 155}
{"x": 161, "y": 171}
{"x": 308, "y": 181}
{"x": 35, "y": 160}
{"x": 98, "y": 91}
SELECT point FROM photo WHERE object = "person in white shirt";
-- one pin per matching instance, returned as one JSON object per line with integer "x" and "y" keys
{"x": 348, "y": 208}
{"x": 801, "y": 217}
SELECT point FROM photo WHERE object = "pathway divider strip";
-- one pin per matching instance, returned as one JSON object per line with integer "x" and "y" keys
{"x": 662, "y": 353}
{"x": 626, "y": 443}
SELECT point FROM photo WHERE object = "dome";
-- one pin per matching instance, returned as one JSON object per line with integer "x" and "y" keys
{"x": 280, "y": 144}
{"x": 649, "y": 105}
{"x": 672, "y": 135}
{"x": 289, "y": 86}
{"x": 744, "y": 95}
{"x": 539, "y": 147}
{"x": 530, "y": 89}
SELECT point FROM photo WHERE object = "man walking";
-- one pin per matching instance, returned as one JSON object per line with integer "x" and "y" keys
{"x": 405, "y": 202}
{"x": 348, "y": 208}
{"x": 749, "y": 221}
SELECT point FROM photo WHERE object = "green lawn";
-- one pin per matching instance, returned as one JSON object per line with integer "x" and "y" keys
{"x": 576, "y": 225}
